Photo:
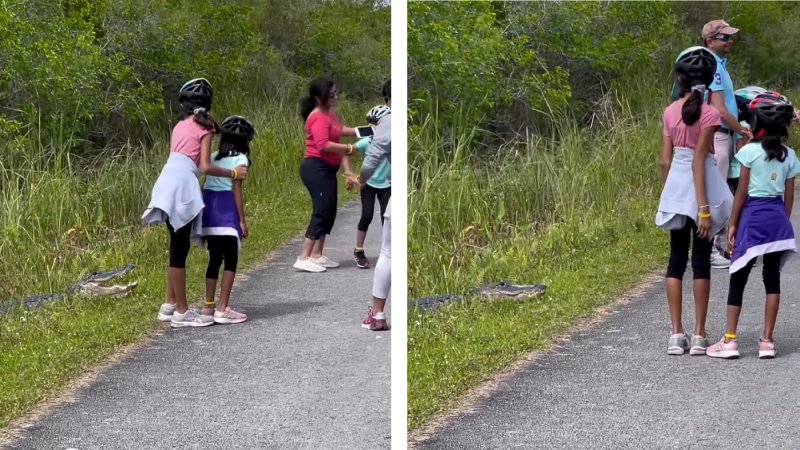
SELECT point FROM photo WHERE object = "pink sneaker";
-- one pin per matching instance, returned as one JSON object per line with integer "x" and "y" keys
{"x": 766, "y": 349}
{"x": 229, "y": 316}
{"x": 379, "y": 322}
{"x": 724, "y": 350}
{"x": 367, "y": 322}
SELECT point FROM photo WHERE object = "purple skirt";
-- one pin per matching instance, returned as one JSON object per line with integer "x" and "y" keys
{"x": 220, "y": 217}
{"x": 764, "y": 227}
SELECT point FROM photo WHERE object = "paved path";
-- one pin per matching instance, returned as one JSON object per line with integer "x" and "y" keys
{"x": 302, "y": 373}
{"x": 615, "y": 387}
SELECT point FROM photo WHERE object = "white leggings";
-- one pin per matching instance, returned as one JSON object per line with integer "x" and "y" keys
{"x": 382, "y": 282}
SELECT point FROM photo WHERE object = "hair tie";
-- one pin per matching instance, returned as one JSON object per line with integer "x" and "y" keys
{"x": 701, "y": 88}
{"x": 199, "y": 111}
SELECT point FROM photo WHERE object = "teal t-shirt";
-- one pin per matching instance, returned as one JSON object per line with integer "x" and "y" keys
{"x": 723, "y": 83}
{"x": 379, "y": 179}
{"x": 230, "y": 163}
{"x": 734, "y": 169}
{"x": 767, "y": 178}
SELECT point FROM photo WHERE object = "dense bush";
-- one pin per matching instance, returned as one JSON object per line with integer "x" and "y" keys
{"x": 78, "y": 74}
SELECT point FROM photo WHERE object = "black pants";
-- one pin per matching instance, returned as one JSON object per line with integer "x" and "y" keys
{"x": 320, "y": 180}
{"x": 368, "y": 194}
{"x": 733, "y": 183}
{"x": 679, "y": 253}
{"x": 771, "y": 275}
{"x": 179, "y": 245}
{"x": 221, "y": 248}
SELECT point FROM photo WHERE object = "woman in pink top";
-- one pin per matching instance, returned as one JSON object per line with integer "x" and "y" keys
{"x": 324, "y": 155}
{"x": 178, "y": 201}
{"x": 696, "y": 202}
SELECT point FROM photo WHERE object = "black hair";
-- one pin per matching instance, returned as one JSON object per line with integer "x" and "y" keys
{"x": 690, "y": 112}
{"x": 772, "y": 140}
{"x": 233, "y": 146}
{"x": 387, "y": 90}
{"x": 320, "y": 87}
{"x": 201, "y": 116}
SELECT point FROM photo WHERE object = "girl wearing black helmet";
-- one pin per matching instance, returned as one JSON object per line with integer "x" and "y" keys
{"x": 323, "y": 157}
{"x": 177, "y": 200}
{"x": 760, "y": 224}
{"x": 695, "y": 202}
{"x": 224, "y": 224}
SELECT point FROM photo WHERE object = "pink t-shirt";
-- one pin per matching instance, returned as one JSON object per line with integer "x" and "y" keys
{"x": 186, "y": 137}
{"x": 687, "y": 136}
{"x": 322, "y": 128}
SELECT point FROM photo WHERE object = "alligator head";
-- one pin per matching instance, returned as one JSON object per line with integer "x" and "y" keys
{"x": 93, "y": 284}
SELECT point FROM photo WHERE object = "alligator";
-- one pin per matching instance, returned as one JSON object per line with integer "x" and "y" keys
{"x": 503, "y": 290}
{"x": 88, "y": 286}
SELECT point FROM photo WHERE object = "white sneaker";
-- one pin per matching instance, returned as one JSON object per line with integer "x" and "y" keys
{"x": 166, "y": 312}
{"x": 324, "y": 261}
{"x": 308, "y": 265}
{"x": 718, "y": 261}
{"x": 190, "y": 319}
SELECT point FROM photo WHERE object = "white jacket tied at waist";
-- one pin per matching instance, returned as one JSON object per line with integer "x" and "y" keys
{"x": 679, "y": 201}
{"x": 177, "y": 197}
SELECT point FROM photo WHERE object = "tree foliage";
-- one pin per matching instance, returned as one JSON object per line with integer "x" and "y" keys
{"x": 97, "y": 70}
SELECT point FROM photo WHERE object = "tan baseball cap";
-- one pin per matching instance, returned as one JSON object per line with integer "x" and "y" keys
{"x": 716, "y": 27}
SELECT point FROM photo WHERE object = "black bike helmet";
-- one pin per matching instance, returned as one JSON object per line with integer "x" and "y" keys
{"x": 696, "y": 64}
{"x": 770, "y": 109}
{"x": 239, "y": 127}
{"x": 197, "y": 91}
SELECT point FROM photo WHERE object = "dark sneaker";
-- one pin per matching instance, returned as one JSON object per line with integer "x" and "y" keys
{"x": 379, "y": 322}
{"x": 361, "y": 259}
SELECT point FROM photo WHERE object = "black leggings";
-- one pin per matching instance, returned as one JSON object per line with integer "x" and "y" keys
{"x": 179, "y": 245}
{"x": 679, "y": 253}
{"x": 221, "y": 248}
{"x": 320, "y": 180}
{"x": 771, "y": 275}
{"x": 368, "y": 194}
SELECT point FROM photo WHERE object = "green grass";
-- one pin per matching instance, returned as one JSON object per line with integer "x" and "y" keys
{"x": 574, "y": 212}
{"x": 61, "y": 220}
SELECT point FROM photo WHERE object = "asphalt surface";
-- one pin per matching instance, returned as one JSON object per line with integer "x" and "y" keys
{"x": 300, "y": 373}
{"x": 614, "y": 386}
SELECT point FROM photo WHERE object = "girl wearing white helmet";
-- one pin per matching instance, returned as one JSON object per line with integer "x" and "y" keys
{"x": 177, "y": 200}
{"x": 378, "y": 186}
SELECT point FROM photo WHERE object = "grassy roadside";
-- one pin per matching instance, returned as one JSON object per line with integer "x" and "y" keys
{"x": 68, "y": 221}
{"x": 575, "y": 213}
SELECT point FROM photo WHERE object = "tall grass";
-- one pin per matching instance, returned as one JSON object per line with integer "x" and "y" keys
{"x": 573, "y": 210}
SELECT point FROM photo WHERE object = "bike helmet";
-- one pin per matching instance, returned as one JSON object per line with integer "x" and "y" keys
{"x": 696, "y": 63}
{"x": 743, "y": 98}
{"x": 377, "y": 112}
{"x": 198, "y": 91}
{"x": 771, "y": 108}
{"x": 239, "y": 127}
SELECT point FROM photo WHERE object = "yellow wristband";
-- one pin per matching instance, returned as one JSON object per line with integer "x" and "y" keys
{"x": 235, "y": 174}
{"x": 704, "y": 215}
{"x": 730, "y": 336}
{"x": 210, "y": 303}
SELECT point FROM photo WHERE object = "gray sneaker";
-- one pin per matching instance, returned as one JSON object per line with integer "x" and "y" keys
{"x": 699, "y": 345}
{"x": 190, "y": 318}
{"x": 678, "y": 344}
{"x": 718, "y": 261}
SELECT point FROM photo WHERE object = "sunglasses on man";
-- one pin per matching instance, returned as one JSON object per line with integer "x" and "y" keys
{"x": 723, "y": 37}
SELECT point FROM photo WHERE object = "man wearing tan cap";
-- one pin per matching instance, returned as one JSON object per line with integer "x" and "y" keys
{"x": 718, "y": 37}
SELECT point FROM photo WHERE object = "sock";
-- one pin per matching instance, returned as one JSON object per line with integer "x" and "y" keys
{"x": 380, "y": 316}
